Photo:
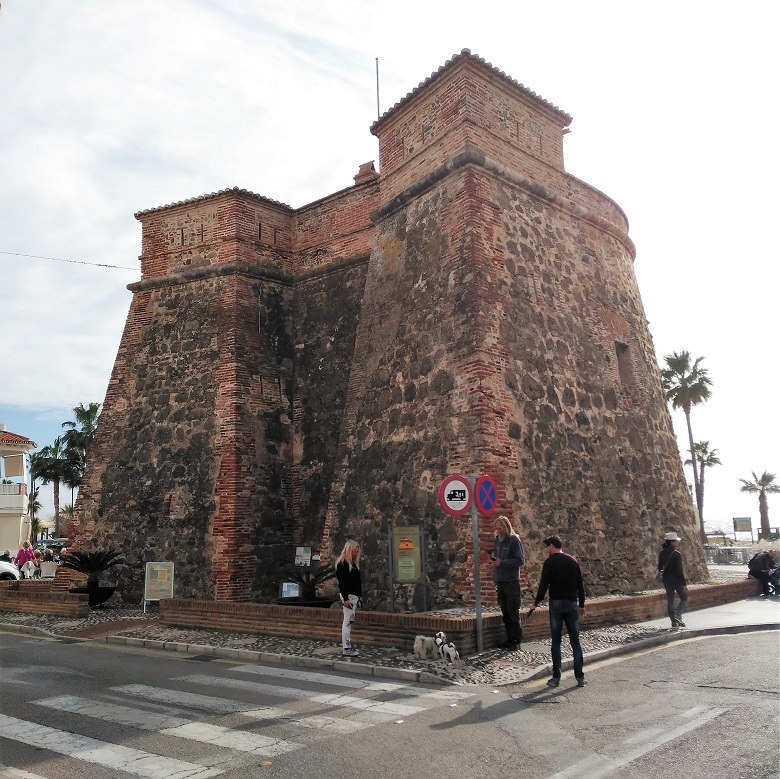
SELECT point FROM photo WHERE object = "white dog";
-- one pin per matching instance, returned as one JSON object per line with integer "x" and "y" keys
{"x": 424, "y": 646}
{"x": 449, "y": 652}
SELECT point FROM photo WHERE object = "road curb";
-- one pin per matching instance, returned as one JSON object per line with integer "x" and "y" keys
{"x": 407, "y": 675}
{"x": 295, "y": 661}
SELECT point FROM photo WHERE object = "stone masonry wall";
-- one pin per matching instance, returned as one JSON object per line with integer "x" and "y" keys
{"x": 326, "y": 313}
{"x": 293, "y": 377}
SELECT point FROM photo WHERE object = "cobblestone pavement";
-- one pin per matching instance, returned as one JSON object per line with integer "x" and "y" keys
{"x": 492, "y": 667}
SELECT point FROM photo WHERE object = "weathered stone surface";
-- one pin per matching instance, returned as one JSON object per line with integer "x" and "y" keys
{"x": 293, "y": 377}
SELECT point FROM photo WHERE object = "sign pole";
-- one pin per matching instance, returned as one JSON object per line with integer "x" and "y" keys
{"x": 477, "y": 586}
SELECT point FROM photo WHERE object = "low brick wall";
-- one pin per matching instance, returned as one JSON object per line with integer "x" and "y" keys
{"x": 378, "y": 628}
{"x": 35, "y": 596}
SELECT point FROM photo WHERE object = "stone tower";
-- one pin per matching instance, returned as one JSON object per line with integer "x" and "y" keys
{"x": 294, "y": 376}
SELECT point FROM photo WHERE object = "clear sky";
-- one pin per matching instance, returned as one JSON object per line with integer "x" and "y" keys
{"x": 111, "y": 108}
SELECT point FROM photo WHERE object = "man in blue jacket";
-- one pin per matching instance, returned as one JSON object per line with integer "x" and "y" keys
{"x": 507, "y": 557}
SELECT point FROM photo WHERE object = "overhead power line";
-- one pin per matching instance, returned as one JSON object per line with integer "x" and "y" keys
{"x": 75, "y": 262}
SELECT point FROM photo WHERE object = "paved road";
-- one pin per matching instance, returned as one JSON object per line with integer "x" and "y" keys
{"x": 703, "y": 708}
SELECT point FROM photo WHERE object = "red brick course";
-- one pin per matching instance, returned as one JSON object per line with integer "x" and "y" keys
{"x": 376, "y": 628}
{"x": 36, "y": 597}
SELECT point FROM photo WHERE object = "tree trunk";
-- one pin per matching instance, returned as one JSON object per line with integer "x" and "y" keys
{"x": 701, "y": 498}
{"x": 695, "y": 474}
{"x": 57, "y": 508}
{"x": 763, "y": 512}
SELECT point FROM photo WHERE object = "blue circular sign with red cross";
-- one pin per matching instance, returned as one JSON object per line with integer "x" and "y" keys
{"x": 485, "y": 495}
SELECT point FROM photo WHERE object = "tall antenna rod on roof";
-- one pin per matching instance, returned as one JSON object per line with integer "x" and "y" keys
{"x": 377, "y": 88}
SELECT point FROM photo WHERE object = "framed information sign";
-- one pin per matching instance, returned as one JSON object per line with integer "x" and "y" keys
{"x": 158, "y": 582}
{"x": 406, "y": 554}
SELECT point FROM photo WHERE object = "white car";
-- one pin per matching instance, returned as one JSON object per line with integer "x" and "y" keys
{"x": 9, "y": 571}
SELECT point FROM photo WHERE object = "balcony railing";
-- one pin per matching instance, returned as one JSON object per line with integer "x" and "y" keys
{"x": 13, "y": 489}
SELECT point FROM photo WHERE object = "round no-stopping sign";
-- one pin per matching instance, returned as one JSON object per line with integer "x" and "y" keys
{"x": 455, "y": 495}
{"x": 485, "y": 495}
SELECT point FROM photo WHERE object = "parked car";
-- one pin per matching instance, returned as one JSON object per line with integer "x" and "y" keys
{"x": 9, "y": 571}
{"x": 55, "y": 544}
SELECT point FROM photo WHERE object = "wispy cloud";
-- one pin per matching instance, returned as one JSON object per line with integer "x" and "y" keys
{"x": 112, "y": 108}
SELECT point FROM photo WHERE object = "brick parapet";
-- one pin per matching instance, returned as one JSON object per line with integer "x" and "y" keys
{"x": 377, "y": 628}
{"x": 37, "y": 597}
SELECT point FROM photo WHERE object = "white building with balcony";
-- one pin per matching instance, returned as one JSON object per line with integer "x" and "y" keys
{"x": 14, "y": 517}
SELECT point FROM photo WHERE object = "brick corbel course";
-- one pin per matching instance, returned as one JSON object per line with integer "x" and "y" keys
{"x": 378, "y": 628}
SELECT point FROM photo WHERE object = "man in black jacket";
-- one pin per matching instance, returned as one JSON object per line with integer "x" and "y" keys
{"x": 763, "y": 566}
{"x": 561, "y": 573}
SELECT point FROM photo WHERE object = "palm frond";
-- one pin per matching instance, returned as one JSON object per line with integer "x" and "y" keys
{"x": 92, "y": 563}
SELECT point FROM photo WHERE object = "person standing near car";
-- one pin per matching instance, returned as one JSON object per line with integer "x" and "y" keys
{"x": 670, "y": 565}
{"x": 507, "y": 557}
{"x": 24, "y": 555}
{"x": 561, "y": 573}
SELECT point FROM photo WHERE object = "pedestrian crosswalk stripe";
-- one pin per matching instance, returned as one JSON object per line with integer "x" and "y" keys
{"x": 177, "y": 714}
{"x": 317, "y": 722}
{"x": 281, "y": 672}
{"x": 93, "y": 750}
{"x": 179, "y": 727}
{"x": 228, "y": 706}
{"x": 597, "y": 766}
{"x": 240, "y": 740}
{"x": 389, "y": 709}
{"x": 112, "y": 712}
{"x": 190, "y": 700}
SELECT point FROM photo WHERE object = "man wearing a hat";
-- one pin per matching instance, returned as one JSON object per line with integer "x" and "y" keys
{"x": 670, "y": 565}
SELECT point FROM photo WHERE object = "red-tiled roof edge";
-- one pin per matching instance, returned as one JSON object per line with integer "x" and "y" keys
{"x": 466, "y": 54}
{"x": 200, "y": 198}
{"x": 13, "y": 438}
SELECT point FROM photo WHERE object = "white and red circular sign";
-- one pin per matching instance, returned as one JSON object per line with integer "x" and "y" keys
{"x": 455, "y": 495}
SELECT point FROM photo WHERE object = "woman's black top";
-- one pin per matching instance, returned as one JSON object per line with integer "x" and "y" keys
{"x": 348, "y": 579}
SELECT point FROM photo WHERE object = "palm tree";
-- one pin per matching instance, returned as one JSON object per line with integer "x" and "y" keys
{"x": 73, "y": 470}
{"x": 685, "y": 384}
{"x": 93, "y": 564}
{"x": 51, "y": 466}
{"x": 705, "y": 458}
{"x": 78, "y": 438}
{"x": 33, "y": 504}
{"x": 35, "y": 529}
{"x": 763, "y": 485}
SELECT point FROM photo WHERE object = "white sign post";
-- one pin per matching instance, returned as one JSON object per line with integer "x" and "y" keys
{"x": 456, "y": 497}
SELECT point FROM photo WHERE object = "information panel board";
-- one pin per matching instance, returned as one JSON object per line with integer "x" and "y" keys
{"x": 407, "y": 554}
{"x": 158, "y": 582}
{"x": 743, "y": 525}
